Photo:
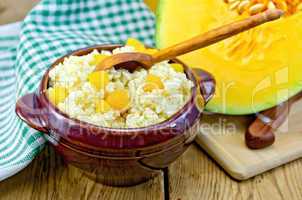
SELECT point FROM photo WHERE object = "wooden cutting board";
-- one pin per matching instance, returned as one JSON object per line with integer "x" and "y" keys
{"x": 222, "y": 137}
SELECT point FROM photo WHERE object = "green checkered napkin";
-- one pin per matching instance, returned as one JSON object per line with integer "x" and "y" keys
{"x": 52, "y": 29}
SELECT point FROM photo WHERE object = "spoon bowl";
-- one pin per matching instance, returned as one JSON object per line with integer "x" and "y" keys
{"x": 130, "y": 61}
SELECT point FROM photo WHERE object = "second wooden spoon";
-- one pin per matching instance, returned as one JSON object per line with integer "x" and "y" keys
{"x": 198, "y": 42}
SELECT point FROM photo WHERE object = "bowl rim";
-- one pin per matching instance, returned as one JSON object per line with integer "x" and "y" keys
{"x": 115, "y": 131}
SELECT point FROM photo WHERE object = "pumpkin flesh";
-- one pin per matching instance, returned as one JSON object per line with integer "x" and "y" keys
{"x": 254, "y": 70}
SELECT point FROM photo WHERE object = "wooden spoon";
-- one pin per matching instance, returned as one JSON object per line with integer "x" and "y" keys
{"x": 260, "y": 133}
{"x": 200, "y": 41}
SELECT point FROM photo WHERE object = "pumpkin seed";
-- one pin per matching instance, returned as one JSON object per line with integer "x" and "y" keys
{"x": 243, "y": 5}
{"x": 271, "y": 6}
{"x": 257, "y": 6}
{"x": 234, "y": 5}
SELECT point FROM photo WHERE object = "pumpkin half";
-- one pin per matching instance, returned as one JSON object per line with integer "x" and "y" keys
{"x": 254, "y": 70}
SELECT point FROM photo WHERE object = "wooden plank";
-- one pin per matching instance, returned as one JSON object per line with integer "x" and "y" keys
{"x": 12, "y": 11}
{"x": 48, "y": 178}
{"x": 223, "y": 138}
{"x": 152, "y": 4}
{"x": 195, "y": 176}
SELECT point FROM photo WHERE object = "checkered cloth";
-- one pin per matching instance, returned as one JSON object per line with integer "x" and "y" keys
{"x": 52, "y": 29}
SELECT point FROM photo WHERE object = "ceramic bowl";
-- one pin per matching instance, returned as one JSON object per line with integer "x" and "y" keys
{"x": 114, "y": 156}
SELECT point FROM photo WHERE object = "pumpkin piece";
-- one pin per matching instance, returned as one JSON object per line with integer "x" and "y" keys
{"x": 254, "y": 71}
{"x": 118, "y": 99}
{"x": 99, "y": 79}
{"x": 140, "y": 47}
{"x": 97, "y": 58}
{"x": 57, "y": 94}
{"x": 102, "y": 106}
{"x": 252, "y": 7}
{"x": 177, "y": 67}
{"x": 153, "y": 82}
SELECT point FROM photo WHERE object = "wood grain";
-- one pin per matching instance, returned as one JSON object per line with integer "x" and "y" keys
{"x": 12, "y": 11}
{"x": 195, "y": 176}
{"x": 223, "y": 138}
{"x": 152, "y": 4}
{"x": 48, "y": 178}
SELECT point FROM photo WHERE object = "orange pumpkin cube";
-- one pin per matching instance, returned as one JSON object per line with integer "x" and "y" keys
{"x": 178, "y": 67}
{"x": 153, "y": 82}
{"x": 57, "y": 94}
{"x": 99, "y": 79}
{"x": 136, "y": 44}
{"x": 102, "y": 106}
{"x": 118, "y": 99}
{"x": 97, "y": 58}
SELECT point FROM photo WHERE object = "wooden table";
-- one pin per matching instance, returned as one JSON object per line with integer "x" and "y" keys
{"x": 193, "y": 176}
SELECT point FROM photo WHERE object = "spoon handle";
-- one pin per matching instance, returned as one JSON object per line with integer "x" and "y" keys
{"x": 260, "y": 133}
{"x": 216, "y": 35}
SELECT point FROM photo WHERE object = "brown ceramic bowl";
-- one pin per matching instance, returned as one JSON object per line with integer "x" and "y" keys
{"x": 117, "y": 156}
